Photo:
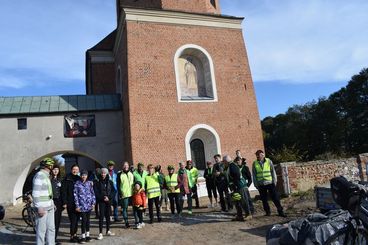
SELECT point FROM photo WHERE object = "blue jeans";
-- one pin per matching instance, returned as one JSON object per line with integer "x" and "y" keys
{"x": 115, "y": 204}
{"x": 124, "y": 207}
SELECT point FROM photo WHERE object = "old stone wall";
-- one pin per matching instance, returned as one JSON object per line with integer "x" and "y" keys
{"x": 303, "y": 176}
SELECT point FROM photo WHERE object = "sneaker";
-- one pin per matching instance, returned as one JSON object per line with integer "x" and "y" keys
{"x": 100, "y": 236}
{"x": 88, "y": 239}
{"x": 139, "y": 226}
{"x": 167, "y": 208}
{"x": 143, "y": 224}
{"x": 151, "y": 221}
{"x": 190, "y": 212}
{"x": 109, "y": 233}
{"x": 82, "y": 240}
{"x": 74, "y": 239}
{"x": 248, "y": 217}
{"x": 127, "y": 225}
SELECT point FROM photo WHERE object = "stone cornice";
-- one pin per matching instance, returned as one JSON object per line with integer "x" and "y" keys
{"x": 182, "y": 18}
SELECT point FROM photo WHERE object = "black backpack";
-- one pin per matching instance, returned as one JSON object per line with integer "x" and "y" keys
{"x": 2, "y": 212}
{"x": 345, "y": 193}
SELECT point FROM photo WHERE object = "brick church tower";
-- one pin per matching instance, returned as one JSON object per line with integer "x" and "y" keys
{"x": 182, "y": 71}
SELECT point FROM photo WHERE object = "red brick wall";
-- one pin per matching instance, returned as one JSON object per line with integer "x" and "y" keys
{"x": 158, "y": 123}
{"x": 103, "y": 78}
{"x": 197, "y": 6}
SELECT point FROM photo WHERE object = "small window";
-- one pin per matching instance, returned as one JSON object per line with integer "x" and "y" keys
{"x": 22, "y": 123}
{"x": 213, "y": 2}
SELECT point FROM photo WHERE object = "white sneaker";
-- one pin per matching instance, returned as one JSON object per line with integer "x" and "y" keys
{"x": 139, "y": 226}
{"x": 143, "y": 224}
{"x": 109, "y": 233}
{"x": 100, "y": 236}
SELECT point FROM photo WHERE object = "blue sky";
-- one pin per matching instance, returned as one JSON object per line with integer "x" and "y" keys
{"x": 298, "y": 50}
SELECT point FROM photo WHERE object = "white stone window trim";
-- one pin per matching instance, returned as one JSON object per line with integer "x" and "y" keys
{"x": 177, "y": 74}
{"x": 190, "y": 134}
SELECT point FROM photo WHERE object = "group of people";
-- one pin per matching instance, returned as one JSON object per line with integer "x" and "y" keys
{"x": 79, "y": 192}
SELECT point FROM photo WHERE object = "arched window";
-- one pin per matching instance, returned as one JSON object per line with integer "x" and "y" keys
{"x": 195, "y": 79}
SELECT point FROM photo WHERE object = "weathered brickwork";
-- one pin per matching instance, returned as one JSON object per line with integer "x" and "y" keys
{"x": 306, "y": 175}
{"x": 103, "y": 78}
{"x": 195, "y": 6}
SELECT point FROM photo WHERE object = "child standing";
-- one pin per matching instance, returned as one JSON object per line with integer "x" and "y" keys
{"x": 85, "y": 199}
{"x": 139, "y": 204}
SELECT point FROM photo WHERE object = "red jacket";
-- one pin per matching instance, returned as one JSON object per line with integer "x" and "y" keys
{"x": 139, "y": 198}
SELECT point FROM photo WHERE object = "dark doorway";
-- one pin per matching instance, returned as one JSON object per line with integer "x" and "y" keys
{"x": 198, "y": 156}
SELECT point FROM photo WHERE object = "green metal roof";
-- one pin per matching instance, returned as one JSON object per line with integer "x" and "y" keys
{"x": 55, "y": 104}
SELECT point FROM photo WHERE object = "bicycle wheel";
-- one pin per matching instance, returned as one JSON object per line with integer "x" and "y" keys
{"x": 345, "y": 237}
{"x": 28, "y": 216}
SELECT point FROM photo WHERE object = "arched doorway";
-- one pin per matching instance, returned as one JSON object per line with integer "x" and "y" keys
{"x": 201, "y": 143}
{"x": 24, "y": 182}
{"x": 198, "y": 154}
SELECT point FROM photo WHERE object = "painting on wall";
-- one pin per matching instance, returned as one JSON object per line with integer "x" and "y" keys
{"x": 76, "y": 126}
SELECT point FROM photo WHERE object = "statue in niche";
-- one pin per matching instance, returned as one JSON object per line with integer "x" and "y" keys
{"x": 191, "y": 77}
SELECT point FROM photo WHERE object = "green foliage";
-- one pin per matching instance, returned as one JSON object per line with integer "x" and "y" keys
{"x": 333, "y": 126}
{"x": 286, "y": 154}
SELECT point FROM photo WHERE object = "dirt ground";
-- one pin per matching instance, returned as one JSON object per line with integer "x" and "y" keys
{"x": 205, "y": 226}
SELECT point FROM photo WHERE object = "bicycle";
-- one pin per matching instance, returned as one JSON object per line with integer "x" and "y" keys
{"x": 353, "y": 198}
{"x": 28, "y": 212}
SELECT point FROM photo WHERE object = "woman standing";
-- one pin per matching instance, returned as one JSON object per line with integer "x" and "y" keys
{"x": 56, "y": 190}
{"x": 85, "y": 199}
{"x": 105, "y": 192}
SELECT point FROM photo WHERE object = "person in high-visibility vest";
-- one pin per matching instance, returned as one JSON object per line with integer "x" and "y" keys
{"x": 194, "y": 175}
{"x": 221, "y": 184}
{"x": 125, "y": 188}
{"x": 210, "y": 183}
{"x": 140, "y": 174}
{"x": 171, "y": 184}
{"x": 265, "y": 179}
{"x": 153, "y": 192}
{"x": 186, "y": 184}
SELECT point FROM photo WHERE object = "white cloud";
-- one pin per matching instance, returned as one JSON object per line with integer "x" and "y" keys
{"x": 303, "y": 41}
{"x": 11, "y": 82}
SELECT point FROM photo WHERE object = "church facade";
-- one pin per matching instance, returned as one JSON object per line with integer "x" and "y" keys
{"x": 183, "y": 76}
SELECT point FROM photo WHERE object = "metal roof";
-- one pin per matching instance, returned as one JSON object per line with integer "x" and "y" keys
{"x": 56, "y": 104}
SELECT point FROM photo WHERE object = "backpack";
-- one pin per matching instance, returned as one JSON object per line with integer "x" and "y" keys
{"x": 2, "y": 212}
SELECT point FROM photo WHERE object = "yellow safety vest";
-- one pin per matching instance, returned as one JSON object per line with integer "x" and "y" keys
{"x": 172, "y": 182}
{"x": 265, "y": 173}
{"x": 126, "y": 184}
{"x": 153, "y": 186}
{"x": 195, "y": 174}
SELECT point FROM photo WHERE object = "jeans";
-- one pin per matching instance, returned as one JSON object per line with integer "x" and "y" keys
{"x": 115, "y": 205}
{"x": 124, "y": 207}
{"x": 156, "y": 201}
{"x": 163, "y": 197}
{"x": 105, "y": 210}
{"x": 264, "y": 190}
{"x": 250, "y": 202}
{"x": 138, "y": 215}
{"x": 175, "y": 201}
{"x": 45, "y": 228}
{"x": 85, "y": 221}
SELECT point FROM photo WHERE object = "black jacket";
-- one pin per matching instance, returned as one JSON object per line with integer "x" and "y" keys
{"x": 246, "y": 174}
{"x": 234, "y": 177}
{"x": 102, "y": 188}
{"x": 68, "y": 190}
{"x": 210, "y": 178}
{"x": 56, "y": 188}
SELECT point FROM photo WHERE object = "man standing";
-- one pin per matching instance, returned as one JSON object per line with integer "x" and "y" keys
{"x": 173, "y": 189}
{"x": 210, "y": 183}
{"x": 221, "y": 184}
{"x": 42, "y": 199}
{"x": 113, "y": 177}
{"x": 265, "y": 179}
{"x": 125, "y": 189}
{"x": 140, "y": 174}
{"x": 237, "y": 185}
{"x": 185, "y": 183}
{"x": 194, "y": 175}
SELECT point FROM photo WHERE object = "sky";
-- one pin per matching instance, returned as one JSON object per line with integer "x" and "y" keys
{"x": 298, "y": 50}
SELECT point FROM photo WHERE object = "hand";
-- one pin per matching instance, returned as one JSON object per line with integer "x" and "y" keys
{"x": 41, "y": 212}
{"x": 78, "y": 210}
{"x": 106, "y": 199}
{"x": 64, "y": 206}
